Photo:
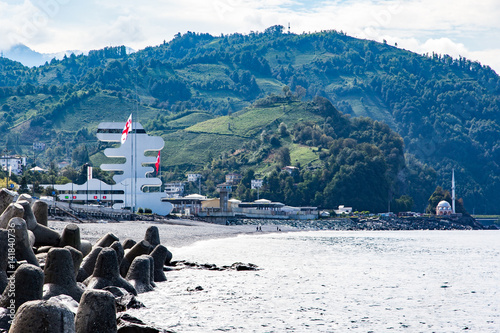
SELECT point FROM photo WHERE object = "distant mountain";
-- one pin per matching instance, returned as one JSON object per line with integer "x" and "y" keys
{"x": 30, "y": 58}
{"x": 446, "y": 110}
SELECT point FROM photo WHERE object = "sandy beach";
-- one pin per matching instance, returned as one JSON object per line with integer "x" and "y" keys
{"x": 173, "y": 233}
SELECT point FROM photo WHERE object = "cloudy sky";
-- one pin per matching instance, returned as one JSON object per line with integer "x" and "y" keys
{"x": 456, "y": 27}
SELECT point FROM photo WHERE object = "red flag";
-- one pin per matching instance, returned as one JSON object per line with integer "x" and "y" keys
{"x": 126, "y": 129}
{"x": 157, "y": 164}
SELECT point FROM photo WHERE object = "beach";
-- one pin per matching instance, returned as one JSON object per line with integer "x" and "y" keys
{"x": 173, "y": 233}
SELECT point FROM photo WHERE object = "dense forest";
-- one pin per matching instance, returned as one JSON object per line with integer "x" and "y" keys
{"x": 446, "y": 110}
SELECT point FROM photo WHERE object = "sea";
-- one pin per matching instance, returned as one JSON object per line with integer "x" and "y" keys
{"x": 334, "y": 281}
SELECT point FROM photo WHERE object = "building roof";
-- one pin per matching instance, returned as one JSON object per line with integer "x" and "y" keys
{"x": 444, "y": 204}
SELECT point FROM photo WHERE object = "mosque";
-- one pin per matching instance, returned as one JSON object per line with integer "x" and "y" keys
{"x": 444, "y": 208}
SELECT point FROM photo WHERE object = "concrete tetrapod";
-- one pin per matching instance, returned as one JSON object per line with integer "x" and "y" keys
{"x": 41, "y": 211}
{"x": 4, "y": 256}
{"x": 106, "y": 240}
{"x": 77, "y": 257}
{"x": 143, "y": 247}
{"x": 60, "y": 275}
{"x": 159, "y": 255}
{"x": 152, "y": 267}
{"x": 24, "y": 251}
{"x": 43, "y": 316}
{"x": 12, "y": 210}
{"x": 106, "y": 273}
{"x": 152, "y": 236}
{"x": 139, "y": 274}
{"x": 44, "y": 236}
{"x": 88, "y": 264}
{"x": 128, "y": 243}
{"x": 96, "y": 313}
{"x": 28, "y": 214}
{"x": 120, "y": 252}
{"x": 85, "y": 247}
{"x": 71, "y": 236}
{"x": 25, "y": 285}
{"x": 6, "y": 198}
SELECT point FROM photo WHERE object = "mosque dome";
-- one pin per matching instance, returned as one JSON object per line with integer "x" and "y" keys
{"x": 443, "y": 208}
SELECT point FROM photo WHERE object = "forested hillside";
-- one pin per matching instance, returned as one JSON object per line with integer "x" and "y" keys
{"x": 447, "y": 110}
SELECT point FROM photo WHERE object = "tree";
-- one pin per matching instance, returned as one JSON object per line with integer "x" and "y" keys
{"x": 283, "y": 157}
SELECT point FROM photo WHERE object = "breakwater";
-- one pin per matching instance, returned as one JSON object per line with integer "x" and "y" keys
{"x": 377, "y": 223}
{"x": 57, "y": 282}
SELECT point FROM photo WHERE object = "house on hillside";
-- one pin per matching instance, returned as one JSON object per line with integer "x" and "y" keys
{"x": 233, "y": 178}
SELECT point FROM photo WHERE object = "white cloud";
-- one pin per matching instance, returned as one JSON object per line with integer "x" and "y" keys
{"x": 460, "y": 27}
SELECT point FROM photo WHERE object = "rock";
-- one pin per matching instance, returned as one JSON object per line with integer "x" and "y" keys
{"x": 128, "y": 243}
{"x": 28, "y": 214}
{"x": 159, "y": 255}
{"x": 139, "y": 275}
{"x": 43, "y": 316}
{"x": 12, "y": 210}
{"x": 71, "y": 236}
{"x": 88, "y": 264}
{"x": 106, "y": 240}
{"x": 123, "y": 299}
{"x": 96, "y": 313}
{"x": 26, "y": 285}
{"x": 6, "y": 198}
{"x": 120, "y": 252}
{"x": 130, "y": 324}
{"x": 41, "y": 211}
{"x": 152, "y": 236}
{"x": 24, "y": 251}
{"x": 60, "y": 275}
{"x": 106, "y": 273}
{"x": 138, "y": 249}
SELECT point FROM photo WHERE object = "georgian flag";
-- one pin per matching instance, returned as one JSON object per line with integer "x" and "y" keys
{"x": 126, "y": 129}
{"x": 157, "y": 164}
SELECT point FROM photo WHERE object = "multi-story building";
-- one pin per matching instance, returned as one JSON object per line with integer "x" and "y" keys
{"x": 13, "y": 163}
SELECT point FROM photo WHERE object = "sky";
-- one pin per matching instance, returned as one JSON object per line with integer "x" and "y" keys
{"x": 456, "y": 27}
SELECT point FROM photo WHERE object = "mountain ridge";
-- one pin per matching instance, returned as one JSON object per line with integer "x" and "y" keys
{"x": 447, "y": 110}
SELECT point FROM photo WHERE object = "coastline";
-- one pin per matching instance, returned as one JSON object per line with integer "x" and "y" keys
{"x": 173, "y": 233}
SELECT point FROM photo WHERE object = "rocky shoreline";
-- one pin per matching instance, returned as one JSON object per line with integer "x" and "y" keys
{"x": 377, "y": 223}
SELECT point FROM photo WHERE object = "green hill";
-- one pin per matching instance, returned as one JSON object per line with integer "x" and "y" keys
{"x": 447, "y": 110}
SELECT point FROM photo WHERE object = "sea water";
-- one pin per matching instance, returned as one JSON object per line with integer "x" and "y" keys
{"x": 335, "y": 281}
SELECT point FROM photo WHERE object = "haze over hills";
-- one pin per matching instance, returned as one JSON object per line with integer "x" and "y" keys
{"x": 30, "y": 58}
{"x": 446, "y": 110}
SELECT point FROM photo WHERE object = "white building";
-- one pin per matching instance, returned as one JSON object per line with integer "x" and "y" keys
{"x": 134, "y": 188}
{"x": 343, "y": 210}
{"x": 174, "y": 189}
{"x": 192, "y": 177}
{"x": 13, "y": 163}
